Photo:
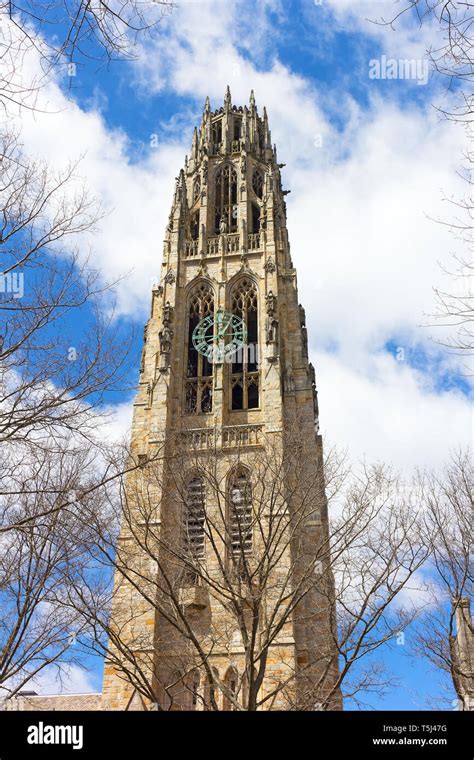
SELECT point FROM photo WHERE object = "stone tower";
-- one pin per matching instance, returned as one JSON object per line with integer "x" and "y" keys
{"x": 227, "y": 599}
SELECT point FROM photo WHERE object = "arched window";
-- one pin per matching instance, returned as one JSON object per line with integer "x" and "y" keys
{"x": 194, "y": 682}
{"x": 225, "y": 198}
{"x": 199, "y": 371}
{"x": 194, "y": 528}
{"x": 195, "y": 226}
{"x": 240, "y": 517}
{"x": 245, "y": 374}
{"x": 196, "y": 189}
{"x": 257, "y": 183}
{"x": 255, "y": 218}
{"x": 231, "y": 682}
{"x": 216, "y": 135}
{"x": 210, "y": 691}
{"x": 237, "y": 128}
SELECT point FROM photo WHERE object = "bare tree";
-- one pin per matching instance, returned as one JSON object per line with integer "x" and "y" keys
{"x": 450, "y": 55}
{"x": 37, "y": 631}
{"x": 64, "y": 34}
{"x": 444, "y": 634}
{"x": 221, "y": 578}
{"x": 55, "y": 375}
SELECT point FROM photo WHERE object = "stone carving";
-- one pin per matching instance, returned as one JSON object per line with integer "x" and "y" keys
{"x": 269, "y": 265}
{"x": 272, "y": 329}
{"x": 165, "y": 337}
{"x": 223, "y": 226}
{"x": 271, "y": 326}
{"x": 271, "y": 302}
{"x": 170, "y": 277}
{"x": 167, "y": 313}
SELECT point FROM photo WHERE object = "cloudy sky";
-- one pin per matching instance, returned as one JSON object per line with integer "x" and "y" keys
{"x": 369, "y": 164}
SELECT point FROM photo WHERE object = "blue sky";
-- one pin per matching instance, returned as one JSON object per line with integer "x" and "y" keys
{"x": 368, "y": 161}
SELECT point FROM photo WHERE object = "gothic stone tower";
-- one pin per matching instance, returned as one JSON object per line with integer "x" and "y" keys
{"x": 228, "y": 506}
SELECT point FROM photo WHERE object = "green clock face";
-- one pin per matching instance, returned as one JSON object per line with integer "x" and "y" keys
{"x": 219, "y": 335}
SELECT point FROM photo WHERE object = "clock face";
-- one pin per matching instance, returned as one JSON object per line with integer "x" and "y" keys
{"x": 219, "y": 335}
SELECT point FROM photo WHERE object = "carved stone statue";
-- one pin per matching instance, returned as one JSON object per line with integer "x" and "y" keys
{"x": 165, "y": 336}
{"x": 272, "y": 329}
{"x": 167, "y": 313}
{"x": 170, "y": 277}
{"x": 271, "y": 302}
{"x": 223, "y": 226}
{"x": 269, "y": 265}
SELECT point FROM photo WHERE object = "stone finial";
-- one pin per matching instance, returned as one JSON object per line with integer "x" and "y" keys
{"x": 194, "y": 150}
{"x": 227, "y": 97}
{"x": 252, "y": 99}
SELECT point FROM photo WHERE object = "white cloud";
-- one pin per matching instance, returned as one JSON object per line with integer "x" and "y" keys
{"x": 389, "y": 412}
{"x": 73, "y": 680}
{"x": 365, "y": 252}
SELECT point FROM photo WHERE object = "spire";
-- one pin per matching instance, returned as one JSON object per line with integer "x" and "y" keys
{"x": 206, "y": 112}
{"x": 227, "y": 97}
{"x": 194, "y": 148}
{"x": 268, "y": 138}
{"x": 252, "y": 99}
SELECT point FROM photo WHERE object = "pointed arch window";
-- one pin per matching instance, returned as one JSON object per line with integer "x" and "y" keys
{"x": 240, "y": 517}
{"x": 245, "y": 374}
{"x": 225, "y": 198}
{"x": 194, "y": 528}
{"x": 231, "y": 682}
{"x": 237, "y": 128}
{"x": 257, "y": 183}
{"x": 196, "y": 189}
{"x": 255, "y": 217}
{"x": 210, "y": 692}
{"x": 199, "y": 370}
{"x": 216, "y": 135}
{"x": 195, "y": 226}
{"x": 194, "y": 685}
